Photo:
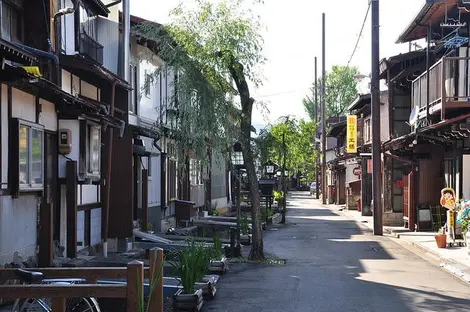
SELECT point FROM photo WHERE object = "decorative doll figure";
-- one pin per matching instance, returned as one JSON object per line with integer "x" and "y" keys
{"x": 448, "y": 198}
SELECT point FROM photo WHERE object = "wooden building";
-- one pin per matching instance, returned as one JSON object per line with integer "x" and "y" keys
{"x": 434, "y": 152}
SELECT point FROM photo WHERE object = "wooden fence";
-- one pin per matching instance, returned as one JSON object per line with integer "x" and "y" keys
{"x": 133, "y": 291}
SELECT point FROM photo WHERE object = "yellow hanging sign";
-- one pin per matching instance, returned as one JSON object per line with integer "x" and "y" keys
{"x": 351, "y": 134}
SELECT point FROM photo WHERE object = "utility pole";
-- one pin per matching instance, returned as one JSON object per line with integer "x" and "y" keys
{"x": 375, "y": 107}
{"x": 317, "y": 161}
{"x": 323, "y": 115}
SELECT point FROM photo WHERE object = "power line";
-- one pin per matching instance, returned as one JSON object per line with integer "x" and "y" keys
{"x": 360, "y": 35}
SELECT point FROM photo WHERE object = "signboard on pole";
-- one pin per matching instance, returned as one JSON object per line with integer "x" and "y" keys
{"x": 351, "y": 134}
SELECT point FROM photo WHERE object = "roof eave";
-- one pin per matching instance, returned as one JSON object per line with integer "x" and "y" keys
{"x": 415, "y": 22}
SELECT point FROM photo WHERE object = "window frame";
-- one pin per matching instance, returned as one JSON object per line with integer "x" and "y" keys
{"x": 18, "y": 9}
{"x": 367, "y": 130}
{"x": 17, "y": 123}
{"x": 86, "y": 150}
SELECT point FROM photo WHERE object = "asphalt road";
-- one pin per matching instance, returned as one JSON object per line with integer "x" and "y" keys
{"x": 334, "y": 264}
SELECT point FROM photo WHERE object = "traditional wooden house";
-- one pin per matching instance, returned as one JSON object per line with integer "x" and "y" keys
{"x": 57, "y": 109}
{"x": 361, "y": 106}
{"x": 346, "y": 169}
{"x": 438, "y": 143}
{"x": 153, "y": 111}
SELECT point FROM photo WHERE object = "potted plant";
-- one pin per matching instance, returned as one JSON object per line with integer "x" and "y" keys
{"x": 190, "y": 266}
{"x": 150, "y": 228}
{"x": 463, "y": 218}
{"x": 280, "y": 198}
{"x": 440, "y": 236}
{"x": 245, "y": 237}
{"x": 218, "y": 261}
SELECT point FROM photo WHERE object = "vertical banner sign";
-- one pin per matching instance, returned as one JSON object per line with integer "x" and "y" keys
{"x": 351, "y": 134}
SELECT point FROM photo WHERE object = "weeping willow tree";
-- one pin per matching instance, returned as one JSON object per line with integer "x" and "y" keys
{"x": 215, "y": 51}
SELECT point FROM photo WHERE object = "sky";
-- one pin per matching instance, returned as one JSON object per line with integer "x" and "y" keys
{"x": 293, "y": 37}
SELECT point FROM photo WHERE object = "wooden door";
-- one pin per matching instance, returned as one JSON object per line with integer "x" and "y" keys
{"x": 49, "y": 213}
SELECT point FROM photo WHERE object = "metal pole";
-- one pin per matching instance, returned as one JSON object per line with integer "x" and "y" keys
{"x": 375, "y": 107}
{"x": 317, "y": 161}
{"x": 323, "y": 115}
{"x": 428, "y": 62}
{"x": 238, "y": 194}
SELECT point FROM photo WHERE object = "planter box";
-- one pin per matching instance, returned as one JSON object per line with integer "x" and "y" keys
{"x": 219, "y": 266}
{"x": 188, "y": 302}
{"x": 269, "y": 221}
{"x": 208, "y": 289}
{"x": 245, "y": 239}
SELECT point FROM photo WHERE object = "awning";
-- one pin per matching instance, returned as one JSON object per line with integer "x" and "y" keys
{"x": 83, "y": 66}
{"x": 433, "y": 11}
{"x": 15, "y": 53}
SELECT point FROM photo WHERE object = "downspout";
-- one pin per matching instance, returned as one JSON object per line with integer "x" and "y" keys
{"x": 126, "y": 30}
{"x": 58, "y": 35}
{"x": 104, "y": 232}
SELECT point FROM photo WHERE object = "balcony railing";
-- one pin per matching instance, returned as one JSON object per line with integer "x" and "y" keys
{"x": 448, "y": 87}
{"x": 91, "y": 48}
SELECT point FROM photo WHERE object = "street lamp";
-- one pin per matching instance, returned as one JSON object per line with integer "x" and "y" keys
{"x": 269, "y": 168}
{"x": 238, "y": 163}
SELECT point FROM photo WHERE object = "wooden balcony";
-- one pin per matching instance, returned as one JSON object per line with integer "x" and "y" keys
{"x": 449, "y": 87}
{"x": 91, "y": 48}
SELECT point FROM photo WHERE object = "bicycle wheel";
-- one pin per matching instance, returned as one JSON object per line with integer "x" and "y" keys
{"x": 82, "y": 305}
{"x": 31, "y": 305}
{"x": 45, "y": 305}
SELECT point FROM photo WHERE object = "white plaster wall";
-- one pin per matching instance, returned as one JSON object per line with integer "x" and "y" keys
{"x": 23, "y": 105}
{"x": 149, "y": 104}
{"x": 4, "y": 134}
{"x": 48, "y": 116}
{"x": 88, "y": 90}
{"x": 384, "y": 121}
{"x": 154, "y": 182}
{"x": 18, "y": 224}
{"x": 74, "y": 127}
{"x": 80, "y": 230}
{"x": 95, "y": 226}
{"x": 87, "y": 194}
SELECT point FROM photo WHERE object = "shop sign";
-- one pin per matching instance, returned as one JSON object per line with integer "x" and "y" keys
{"x": 448, "y": 198}
{"x": 351, "y": 134}
{"x": 357, "y": 171}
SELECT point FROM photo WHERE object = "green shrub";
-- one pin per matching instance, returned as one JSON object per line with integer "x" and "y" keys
{"x": 244, "y": 227}
{"x": 191, "y": 264}
{"x": 217, "y": 247}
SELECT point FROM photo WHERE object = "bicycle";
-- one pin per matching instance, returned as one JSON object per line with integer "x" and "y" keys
{"x": 44, "y": 304}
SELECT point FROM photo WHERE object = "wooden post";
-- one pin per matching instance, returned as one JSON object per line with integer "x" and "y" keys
{"x": 71, "y": 191}
{"x": 135, "y": 286}
{"x": 156, "y": 280}
{"x": 59, "y": 304}
{"x": 45, "y": 235}
{"x": 145, "y": 199}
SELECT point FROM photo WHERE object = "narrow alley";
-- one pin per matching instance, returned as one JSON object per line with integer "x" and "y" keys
{"x": 336, "y": 264}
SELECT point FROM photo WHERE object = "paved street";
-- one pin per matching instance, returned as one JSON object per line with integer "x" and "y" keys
{"x": 335, "y": 264}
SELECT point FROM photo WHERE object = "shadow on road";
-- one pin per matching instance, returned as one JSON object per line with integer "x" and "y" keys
{"x": 333, "y": 264}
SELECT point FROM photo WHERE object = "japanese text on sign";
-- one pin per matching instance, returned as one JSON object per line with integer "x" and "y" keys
{"x": 351, "y": 134}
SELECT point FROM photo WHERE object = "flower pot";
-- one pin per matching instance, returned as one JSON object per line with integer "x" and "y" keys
{"x": 245, "y": 239}
{"x": 441, "y": 240}
{"x": 269, "y": 221}
{"x": 188, "y": 302}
